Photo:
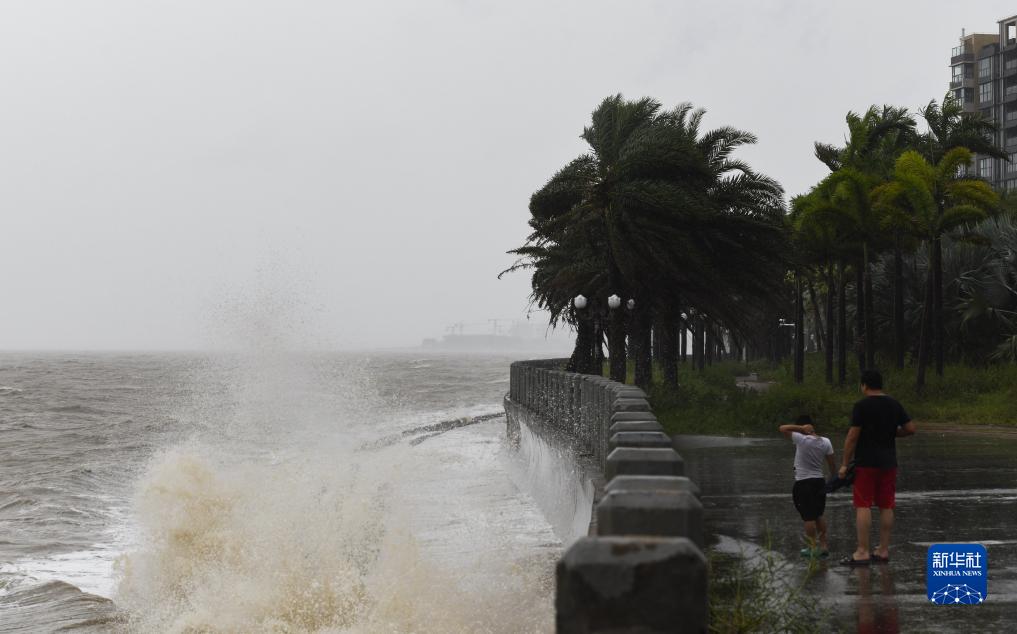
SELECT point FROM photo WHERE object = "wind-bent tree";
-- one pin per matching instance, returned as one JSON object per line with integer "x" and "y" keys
{"x": 931, "y": 201}
{"x": 660, "y": 213}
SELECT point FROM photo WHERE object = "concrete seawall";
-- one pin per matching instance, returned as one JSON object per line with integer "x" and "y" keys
{"x": 640, "y": 566}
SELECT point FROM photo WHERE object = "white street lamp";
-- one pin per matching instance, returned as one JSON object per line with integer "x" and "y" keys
{"x": 579, "y": 302}
{"x": 613, "y": 302}
{"x": 631, "y": 304}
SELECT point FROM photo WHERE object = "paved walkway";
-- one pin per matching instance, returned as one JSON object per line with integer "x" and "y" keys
{"x": 954, "y": 487}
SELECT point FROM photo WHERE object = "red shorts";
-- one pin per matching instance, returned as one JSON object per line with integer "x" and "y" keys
{"x": 875, "y": 486}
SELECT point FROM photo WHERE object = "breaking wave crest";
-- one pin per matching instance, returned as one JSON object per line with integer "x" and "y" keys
{"x": 306, "y": 544}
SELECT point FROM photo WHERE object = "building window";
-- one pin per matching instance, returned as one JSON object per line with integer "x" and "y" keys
{"x": 985, "y": 92}
{"x": 985, "y": 168}
{"x": 958, "y": 74}
{"x": 985, "y": 68}
{"x": 1011, "y": 167}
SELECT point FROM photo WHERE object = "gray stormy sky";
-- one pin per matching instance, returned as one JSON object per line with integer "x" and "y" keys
{"x": 180, "y": 174}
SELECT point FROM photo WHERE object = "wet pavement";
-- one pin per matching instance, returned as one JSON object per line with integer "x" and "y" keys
{"x": 952, "y": 487}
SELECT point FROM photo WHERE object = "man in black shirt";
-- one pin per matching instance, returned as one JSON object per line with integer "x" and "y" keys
{"x": 876, "y": 422}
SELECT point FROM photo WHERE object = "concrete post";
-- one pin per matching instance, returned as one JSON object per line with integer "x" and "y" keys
{"x": 631, "y": 584}
{"x": 633, "y": 461}
{"x": 653, "y": 512}
{"x": 635, "y": 425}
{"x": 620, "y": 416}
{"x": 653, "y": 483}
{"x": 638, "y": 439}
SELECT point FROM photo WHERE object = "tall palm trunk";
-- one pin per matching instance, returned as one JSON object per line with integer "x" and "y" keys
{"x": 616, "y": 346}
{"x": 708, "y": 343}
{"x": 829, "y": 323}
{"x": 925, "y": 336}
{"x": 841, "y": 325}
{"x": 898, "y": 302}
{"x": 700, "y": 336}
{"x": 860, "y": 315}
{"x": 870, "y": 331}
{"x": 937, "y": 303}
{"x": 669, "y": 353}
{"x": 583, "y": 359}
{"x": 683, "y": 340}
{"x": 641, "y": 346}
{"x": 821, "y": 341}
{"x": 799, "y": 360}
{"x": 598, "y": 346}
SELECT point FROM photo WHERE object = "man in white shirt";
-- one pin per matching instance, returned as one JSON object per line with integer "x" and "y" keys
{"x": 809, "y": 492}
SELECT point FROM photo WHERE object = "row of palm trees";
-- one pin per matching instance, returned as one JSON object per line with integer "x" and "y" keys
{"x": 691, "y": 241}
{"x": 898, "y": 192}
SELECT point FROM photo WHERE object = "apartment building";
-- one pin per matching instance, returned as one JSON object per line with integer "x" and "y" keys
{"x": 983, "y": 77}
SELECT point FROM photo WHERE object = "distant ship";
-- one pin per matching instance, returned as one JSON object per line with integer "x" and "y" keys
{"x": 517, "y": 335}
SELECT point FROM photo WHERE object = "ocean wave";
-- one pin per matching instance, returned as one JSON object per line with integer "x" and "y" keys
{"x": 76, "y": 409}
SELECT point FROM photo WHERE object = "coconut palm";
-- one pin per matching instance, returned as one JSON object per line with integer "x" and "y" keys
{"x": 932, "y": 200}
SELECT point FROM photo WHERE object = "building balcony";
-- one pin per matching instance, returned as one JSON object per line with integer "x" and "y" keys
{"x": 963, "y": 57}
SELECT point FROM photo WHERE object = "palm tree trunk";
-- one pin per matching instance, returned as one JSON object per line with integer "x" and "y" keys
{"x": 870, "y": 331}
{"x": 937, "y": 303}
{"x": 841, "y": 325}
{"x": 616, "y": 346}
{"x": 708, "y": 343}
{"x": 699, "y": 339}
{"x": 598, "y": 347}
{"x": 820, "y": 328}
{"x": 799, "y": 331}
{"x": 684, "y": 341}
{"x": 669, "y": 353}
{"x": 656, "y": 335}
{"x": 898, "y": 302}
{"x": 582, "y": 360}
{"x": 829, "y": 323}
{"x": 641, "y": 346}
{"x": 924, "y": 337}
{"x": 860, "y": 315}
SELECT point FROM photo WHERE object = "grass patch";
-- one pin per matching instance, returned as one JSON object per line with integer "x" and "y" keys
{"x": 709, "y": 402}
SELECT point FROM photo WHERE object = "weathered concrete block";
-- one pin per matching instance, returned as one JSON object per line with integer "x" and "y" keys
{"x": 638, "y": 439}
{"x": 636, "y": 425}
{"x": 633, "y": 461}
{"x": 630, "y": 405}
{"x": 625, "y": 416}
{"x": 619, "y": 388}
{"x": 661, "y": 513}
{"x": 653, "y": 483}
{"x": 631, "y": 584}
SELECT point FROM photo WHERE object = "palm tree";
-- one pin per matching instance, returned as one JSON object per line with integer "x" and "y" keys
{"x": 875, "y": 140}
{"x": 949, "y": 128}
{"x": 933, "y": 200}
{"x": 658, "y": 212}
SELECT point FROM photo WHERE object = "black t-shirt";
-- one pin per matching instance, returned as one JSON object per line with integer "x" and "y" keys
{"x": 879, "y": 417}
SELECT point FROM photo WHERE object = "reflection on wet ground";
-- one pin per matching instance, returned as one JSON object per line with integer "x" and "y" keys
{"x": 952, "y": 487}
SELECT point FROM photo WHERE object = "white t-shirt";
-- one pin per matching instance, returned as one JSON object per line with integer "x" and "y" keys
{"x": 810, "y": 453}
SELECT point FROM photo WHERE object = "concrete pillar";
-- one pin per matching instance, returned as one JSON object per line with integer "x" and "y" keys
{"x": 633, "y": 461}
{"x": 638, "y": 439}
{"x": 619, "y": 416}
{"x": 630, "y": 405}
{"x": 631, "y": 584}
{"x": 635, "y": 425}
{"x": 653, "y": 483}
{"x": 652, "y": 512}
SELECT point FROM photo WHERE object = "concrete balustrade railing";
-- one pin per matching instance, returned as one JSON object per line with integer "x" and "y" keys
{"x": 641, "y": 568}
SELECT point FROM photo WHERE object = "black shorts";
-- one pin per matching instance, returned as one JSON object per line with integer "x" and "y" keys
{"x": 809, "y": 496}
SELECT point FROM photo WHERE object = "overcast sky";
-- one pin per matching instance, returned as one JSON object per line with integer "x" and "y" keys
{"x": 174, "y": 175}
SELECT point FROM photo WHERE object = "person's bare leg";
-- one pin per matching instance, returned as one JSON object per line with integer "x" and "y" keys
{"x": 821, "y": 525}
{"x": 885, "y": 528}
{"x": 863, "y": 524}
{"x": 810, "y": 534}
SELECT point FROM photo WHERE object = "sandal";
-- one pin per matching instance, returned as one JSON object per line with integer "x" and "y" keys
{"x": 880, "y": 560}
{"x": 851, "y": 561}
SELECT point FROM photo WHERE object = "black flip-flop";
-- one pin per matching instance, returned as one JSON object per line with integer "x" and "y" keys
{"x": 851, "y": 561}
{"x": 879, "y": 560}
